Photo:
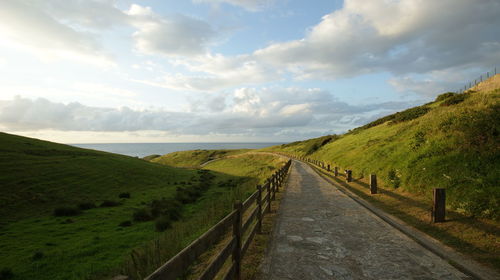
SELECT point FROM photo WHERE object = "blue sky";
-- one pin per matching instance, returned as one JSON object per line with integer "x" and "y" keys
{"x": 94, "y": 71}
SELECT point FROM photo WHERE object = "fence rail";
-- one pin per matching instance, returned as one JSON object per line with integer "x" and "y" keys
{"x": 236, "y": 247}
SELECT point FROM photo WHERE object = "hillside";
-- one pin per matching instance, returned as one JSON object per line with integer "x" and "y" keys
{"x": 193, "y": 159}
{"x": 36, "y": 175}
{"x": 98, "y": 211}
{"x": 451, "y": 143}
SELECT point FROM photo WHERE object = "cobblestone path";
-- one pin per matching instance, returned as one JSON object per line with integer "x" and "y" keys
{"x": 323, "y": 234}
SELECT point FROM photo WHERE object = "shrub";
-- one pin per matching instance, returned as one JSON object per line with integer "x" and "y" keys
{"x": 124, "y": 195}
{"x": 410, "y": 114}
{"x": 444, "y": 96}
{"x": 417, "y": 140}
{"x": 37, "y": 256}
{"x": 455, "y": 99}
{"x": 125, "y": 224}
{"x": 6, "y": 273}
{"x": 109, "y": 203}
{"x": 166, "y": 207}
{"x": 163, "y": 223}
{"x": 86, "y": 205}
{"x": 394, "y": 180}
{"x": 66, "y": 211}
{"x": 142, "y": 215}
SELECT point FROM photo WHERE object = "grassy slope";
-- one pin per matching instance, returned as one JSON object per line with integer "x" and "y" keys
{"x": 455, "y": 147}
{"x": 193, "y": 159}
{"x": 38, "y": 176}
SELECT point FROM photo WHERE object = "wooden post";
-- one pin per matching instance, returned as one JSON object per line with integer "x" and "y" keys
{"x": 259, "y": 209}
{"x": 439, "y": 205}
{"x": 336, "y": 171}
{"x": 373, "y": 183}
{"x": 348, "y": 175}
{"x": 274, "y": 186}
{"x": 238, "y": 206}
{"x": 268, "y": 188}
{"x": 278, "y": 179}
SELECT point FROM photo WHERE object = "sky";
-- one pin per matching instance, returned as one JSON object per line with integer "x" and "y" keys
{"x": 106, "y": 71}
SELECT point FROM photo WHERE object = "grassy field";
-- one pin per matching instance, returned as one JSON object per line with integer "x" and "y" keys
{"x": 100, "y": 233}
{"x": 450, "y": 143}
{"x": 195, "y": 158}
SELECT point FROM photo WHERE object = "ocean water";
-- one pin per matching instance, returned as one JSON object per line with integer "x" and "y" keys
{"x": 146, "y": 149}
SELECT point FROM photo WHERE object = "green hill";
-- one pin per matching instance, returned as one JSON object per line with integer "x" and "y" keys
{"x": 195, "y": 158}
{"x": 72, "y": 213}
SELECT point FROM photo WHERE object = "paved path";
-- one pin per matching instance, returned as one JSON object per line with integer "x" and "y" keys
{"x": 323, "y": 234}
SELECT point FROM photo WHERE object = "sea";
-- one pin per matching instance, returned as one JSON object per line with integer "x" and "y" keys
{"x": 146, "y": 149}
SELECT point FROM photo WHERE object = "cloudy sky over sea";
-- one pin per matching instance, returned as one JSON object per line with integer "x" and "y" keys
{"x": 80, "y": 71}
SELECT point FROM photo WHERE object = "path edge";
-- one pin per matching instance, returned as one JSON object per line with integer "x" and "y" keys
{"x": 456, "y": 259}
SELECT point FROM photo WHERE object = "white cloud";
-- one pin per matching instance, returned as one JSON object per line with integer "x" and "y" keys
{"x": 44, "y": 28}
{"x": 215, "y": 72}
{"x": 251, "y": 5}
{"x": 176, "y": 35}
{"x": 397, "y": 36}
{"x": 245, "y": 111}
{"x": 403, "y": 37}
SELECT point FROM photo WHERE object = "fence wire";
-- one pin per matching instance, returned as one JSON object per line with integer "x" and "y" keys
{"x": 473, "y": 83}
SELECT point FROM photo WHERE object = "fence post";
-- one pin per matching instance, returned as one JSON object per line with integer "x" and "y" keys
{"x": 373, "y": 184}
{"x": 348, "y": 175}
{"x": 336, "y": 171}
{"x": 259, "y": 209}
{"x": 268, "y": 188}
{"x": 273, "y": 188}
{"x": 237, "y": 235}
{"x": 439, "y": 205}
{"x": 278, "y": 178}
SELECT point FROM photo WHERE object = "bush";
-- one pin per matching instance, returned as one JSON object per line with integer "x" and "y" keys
{"x": 163, "y": 223}
{"x": 6, "y": 273}
{"x": 166, "y": 207}
{"x": 66, "y": 211}
{"x": 86, "y": 205}
{"x": 455, "y": 99}
{"x": 394, "y": 180}
{"x": 125, "y": 224}
{"x": 109, "y": 203}
{"x": 37, "y": 256}
{"x": 410, "y": 114}
{"x": 444, "y": 96}
{"x": 142, "y": 215}
{"x": 124, "y": 195}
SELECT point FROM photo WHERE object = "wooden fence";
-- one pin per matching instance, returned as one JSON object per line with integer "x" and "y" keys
{"x": 438, "y": 210}
{"x": 245, "y": 221}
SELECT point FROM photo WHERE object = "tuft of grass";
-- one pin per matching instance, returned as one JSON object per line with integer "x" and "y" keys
{"x": 86, "y": 205}
{"x": 163, "y": 223}
{"x": 142, "y": 215}
{"x": 124, "y": 195}
{"x": 37, "y": 256}
{"x": 125, "y": 224}
{"x": 109, "y": 203}
{"x": 6, "y": 274}
{"x": 67, "y": 211}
